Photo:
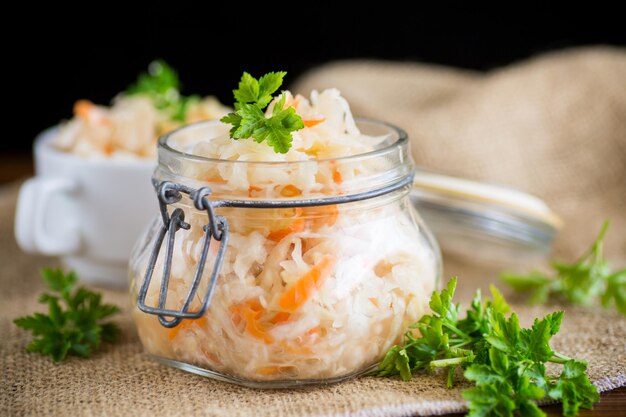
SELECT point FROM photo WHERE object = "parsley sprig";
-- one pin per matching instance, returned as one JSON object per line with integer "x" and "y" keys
{"x": 505, "y": 361}
{"x": 249, "y": 120}
{"x": 162, "y": 85}
{"x": 73, "y": 325}
{"x": 579, "y": 283}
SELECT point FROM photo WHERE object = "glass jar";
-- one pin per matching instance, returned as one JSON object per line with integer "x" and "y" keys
{"x": 278, "y": 274}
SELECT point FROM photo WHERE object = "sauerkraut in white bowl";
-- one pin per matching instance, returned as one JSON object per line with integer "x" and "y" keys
{"x": 305, "y": 294}
{"x": 130, "y": 127}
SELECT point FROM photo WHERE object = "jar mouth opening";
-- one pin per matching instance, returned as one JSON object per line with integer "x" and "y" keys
{"x": 398, "y": 139}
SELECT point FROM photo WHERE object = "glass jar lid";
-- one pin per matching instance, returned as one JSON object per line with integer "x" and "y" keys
{"x": 485, "y": 222}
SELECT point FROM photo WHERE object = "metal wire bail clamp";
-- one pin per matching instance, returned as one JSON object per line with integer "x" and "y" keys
{"x": 216, "y": 228}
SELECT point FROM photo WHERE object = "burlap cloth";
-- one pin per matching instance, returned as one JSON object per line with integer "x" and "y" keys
{"x": 554, "y": 126}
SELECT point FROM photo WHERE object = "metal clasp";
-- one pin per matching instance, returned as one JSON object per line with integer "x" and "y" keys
{"x": 216, "y": 228}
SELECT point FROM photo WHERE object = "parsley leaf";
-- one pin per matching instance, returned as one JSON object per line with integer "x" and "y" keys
{"x": 580, "y": 283}
{"x": 252, "y": 119}
{"x": 501, "y": 388}
{"x": 573, "y": 388}
{"x": 268, "y": 85}
{"x": 440, "y": 344}
{"x": 162, "y": 85}
{"x": 505, "y": 361}
{"x": 249, "y": 120}
{"x": 248, "y": 91}
{"x": 161, "y": 80}
{"x": 73, "y": 325}
{"x": 616, "y": 291}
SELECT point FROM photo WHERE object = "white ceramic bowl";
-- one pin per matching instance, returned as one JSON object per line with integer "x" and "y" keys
{"x": 88, "y": 211}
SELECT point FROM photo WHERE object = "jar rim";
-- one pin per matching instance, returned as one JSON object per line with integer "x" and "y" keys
{"x": 400, "y": 140}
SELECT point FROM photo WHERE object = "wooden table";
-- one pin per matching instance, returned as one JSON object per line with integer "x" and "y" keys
{"x": 14, "y": 166}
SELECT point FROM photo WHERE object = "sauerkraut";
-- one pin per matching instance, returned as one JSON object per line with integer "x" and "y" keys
{"x": 304, "y": 293}
{"x": 127, "y": 129}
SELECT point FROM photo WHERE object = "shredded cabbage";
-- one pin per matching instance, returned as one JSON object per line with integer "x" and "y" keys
{"x": 126, "y": 130}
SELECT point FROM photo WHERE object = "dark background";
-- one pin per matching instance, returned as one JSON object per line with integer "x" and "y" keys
{"x": 68, "y": 60}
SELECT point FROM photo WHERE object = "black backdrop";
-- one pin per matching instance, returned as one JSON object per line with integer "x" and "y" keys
{"x": 69, "y": 60}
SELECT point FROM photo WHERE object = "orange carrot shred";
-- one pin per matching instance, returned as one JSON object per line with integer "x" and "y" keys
{"x": 185, "y": 324}
{"x": 215, "y": 180}
{"x": 249, "y": 311}
{"x": 313, "y": 122}
{"x": 108, "y": 148}
{"x": 268, "y": 370}
{"x": 280, "y": 317}
{"x": 254, "y": 328}
{"x": 290, "y": 190}
{"x": 82, "y": 108}
{"x": 320, "y": 216}
{"x": 254, "y": 189}
{"x": 317, "y": 330}
{"x": 300, "y": 292}
{"x": 295, "y": 226}
{"x": 337, "y": 178}
{"x": 273, "y": 370}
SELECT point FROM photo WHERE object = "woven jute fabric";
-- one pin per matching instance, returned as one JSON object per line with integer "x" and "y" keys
{"x": 554, "y": 126}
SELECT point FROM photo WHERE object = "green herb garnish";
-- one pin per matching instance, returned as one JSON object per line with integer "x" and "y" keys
{"x": 74, "y": 329}
{"x": 505, "y": 361}
{"x": 249, "y": 120}
{"x": 162, "y": 86}
{"x": 580, "y": 283}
